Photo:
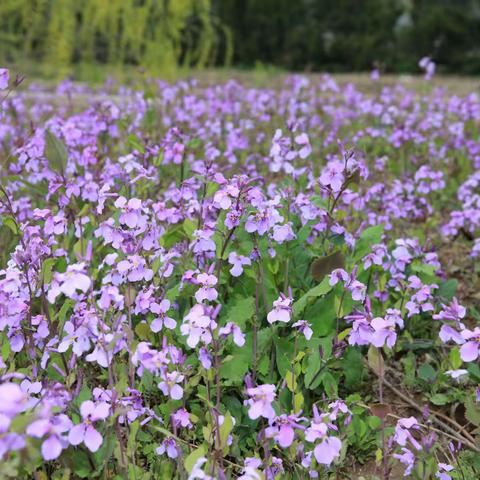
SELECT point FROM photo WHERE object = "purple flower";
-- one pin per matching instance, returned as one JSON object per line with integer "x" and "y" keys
{"x": 282, "y": 429}
{"x": 327, "y": 450}
{"x": 169, "y": 447}
{"x": 304, "y": 143}
{"x": 238, "y": 261}
{"x": 403, "y": 434}
{"x": 260, "y": 401}
{"x": 161, "y": 309}
{"x": 207, "y": 290}
{"x": 53, "y": 428}
{"x": 263, "y": 220}
{"x": 205, "y": 358}
{"x": 304, "y": 327}
{"x": 282, "y": 310}
{"x": 383, "y": 332}
{"x": 442, "y": 469}
{"x": 332, "y": 176}
{"x": 197, "y": 326}
{"x": 78, "y": 337}
{"x": 181, "y": 418}
{"x": 131, "y": 212}
{"x": 13, "y": 399}
{"x": 4, "y": 77}
{"x": 282, "y": 233}
{"x": 232, "y": 329}
{"x": 134, "y": 268}
{"x": 428, "y": 66}
{"x": 85, "y": 431}
{"x": 170, "y": 385}
{"x": 408, "y": 459}
{"x": 469, "y": 351}
{"x": 69, "y": 282}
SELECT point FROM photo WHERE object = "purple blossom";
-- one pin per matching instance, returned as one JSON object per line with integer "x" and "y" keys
{"x": 54, "y": 429}
{"x": 304, "y": 327}
{"x": 181, "y": 418}
{"x": 237, "y": 262}
{"x": 85, "y": 431}
{"x": 168, "y": 446}
{"x": 161, "y": 309}
{"x": 282, "y": 429}
{"x": 469, "y": 351}
{"x": 170, "y": 385}
{"x": 443, "y": 468}
{"x": 260, "y": 401}
{"x": 69, "y": 282}
{"x": 4, "y": 77}
{"x": 232, "y": 329}
{"x": 282, "y": 310}
{"x": 408, "y": 459}
{"x": 207, "y": 291}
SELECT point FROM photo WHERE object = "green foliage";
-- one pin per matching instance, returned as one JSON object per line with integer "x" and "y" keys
{"x": 157, "y": 35}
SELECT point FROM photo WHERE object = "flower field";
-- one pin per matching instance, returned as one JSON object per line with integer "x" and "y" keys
{"x": 229, "y": 282}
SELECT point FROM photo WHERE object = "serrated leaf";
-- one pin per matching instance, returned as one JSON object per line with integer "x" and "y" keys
{"x": 240, "y": 310}
{"x": 472, "y": 412}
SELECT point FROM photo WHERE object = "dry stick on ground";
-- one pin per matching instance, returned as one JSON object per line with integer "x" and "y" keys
{"x": 437, "y": 413}
{"x": 435, "y": 419}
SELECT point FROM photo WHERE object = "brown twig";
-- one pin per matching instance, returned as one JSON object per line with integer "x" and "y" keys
{"x": 452, "y": 432}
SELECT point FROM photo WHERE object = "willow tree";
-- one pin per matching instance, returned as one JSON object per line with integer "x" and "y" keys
{"x": 156, "y": 34}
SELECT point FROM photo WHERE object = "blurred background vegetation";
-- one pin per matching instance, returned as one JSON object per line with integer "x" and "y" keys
{"x": 57, "y": 38}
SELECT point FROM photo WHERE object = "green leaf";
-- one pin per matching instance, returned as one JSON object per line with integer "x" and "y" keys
{"x": 439, "y": 399}
{"x": 291, "y": 381}
{"x": 225, "y": 429}
{"x": 427, "y": 372}
{"x": 313, "y": 367}
{"x": 448, "y": 289}
{"x": 455, "y": 358}
{"x": 47, "y": 269}
{"x": 132, "y": 436}
{"x": 193, "y": 457}
{"x": 189, "y": 226}
{"x": 370, "y": 236}
{"x": 353, "y": 368}
{"x": 11, "y": 224}
{"x": 472, "y": 411}
{"x": 284, "y": 354}
{"x": 142, "y": 330}
{"x": 330, "y": 384}
{"x": 55, "y": 152}
{"x": 240, "y": 310}
{"x": 321, "y": 289}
